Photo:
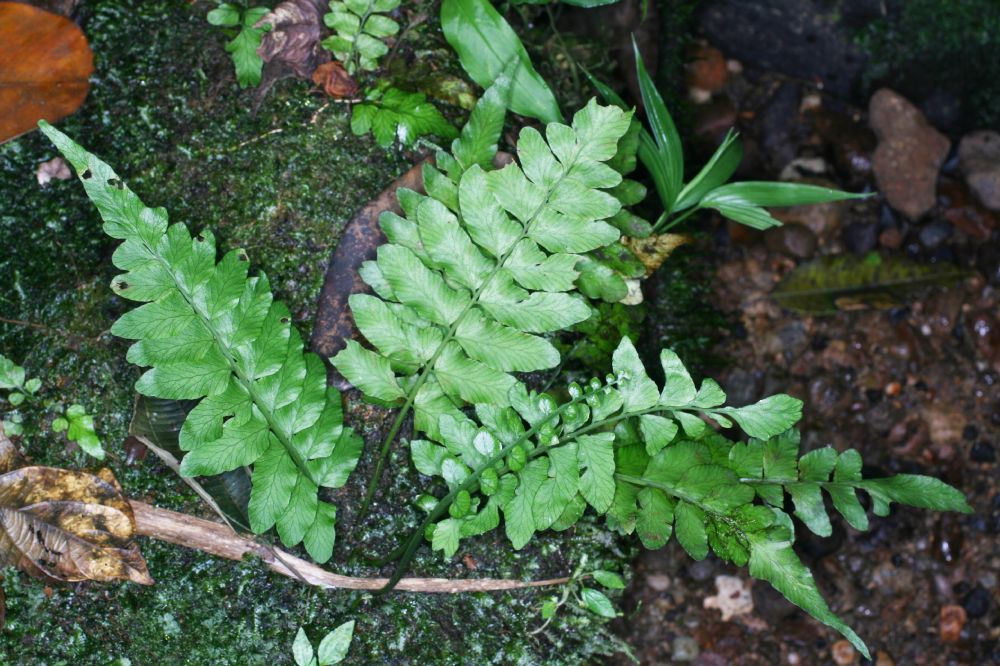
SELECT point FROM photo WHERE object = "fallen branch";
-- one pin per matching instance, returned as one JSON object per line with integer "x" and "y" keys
{"x": 221, "y": 541}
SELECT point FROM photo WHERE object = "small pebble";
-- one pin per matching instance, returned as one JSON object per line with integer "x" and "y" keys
{"x": 952, "y": 620}
{"x": 658, "y": 582}
{"x": 685, "y": 649}
{"x": 977, "y": 602}
{"x": 983, "y": 452}
{"x": 844, "y": 653}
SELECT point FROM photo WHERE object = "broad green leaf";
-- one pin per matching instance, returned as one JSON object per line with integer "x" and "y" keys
{"x": 917, "y": 490}
{"x": 809, "y": 507}
{"x": 502, "y": 347}
{"x": 597, "y": 484}
{"x": 777, "y": 563}
{"x": 334, "y": 646}
{"x": 769, "y": 417}
{"x": 471, "y": 380}
{"x": 518, "y": 519}
{"x": 368, "y": 371}
{"x": 485, "y": 44}
{"x": 477, "y": 142}
{"x": 689, "y": 525}
{"x": 597, "y": 603}
{"x": 657, "y": 432}
{"x": 243, "y": 48}
{"x": 637, "y": 389}
{"x": 447, "y": 534}
{"x": 655, "y": 518}
{"x": 302, "y": 650}
{"x": 609, "y": 579}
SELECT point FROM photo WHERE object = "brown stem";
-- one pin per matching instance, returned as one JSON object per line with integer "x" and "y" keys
{"x": 221, "y": 541}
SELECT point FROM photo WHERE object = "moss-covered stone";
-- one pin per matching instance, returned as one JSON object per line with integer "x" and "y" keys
{"x": 280, "y": 180}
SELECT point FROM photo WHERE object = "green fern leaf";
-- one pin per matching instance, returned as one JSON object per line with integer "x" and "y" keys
{"x": 360, "y": 29}
{"x": 243, "y": 47}
{"x": 485, "y": 262}
{"x": 211, "y": 332}
{"x": 649, "y": 470}
{"x": 394, "y": 114}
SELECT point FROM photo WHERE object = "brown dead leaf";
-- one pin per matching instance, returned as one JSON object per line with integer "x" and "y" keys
{"x": 45, "y": 64}
{"x": 293, "y": 40}
{"x": 654, "y": 250}
{"x": 67, "y": 526}
{"x": 334, "y": 80}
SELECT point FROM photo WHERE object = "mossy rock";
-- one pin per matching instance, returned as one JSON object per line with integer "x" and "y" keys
{"x": 281, "y": 181}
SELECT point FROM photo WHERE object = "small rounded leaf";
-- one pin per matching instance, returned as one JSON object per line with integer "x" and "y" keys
{"x": 610, "y": 580}
{"x": 597, "y": 603}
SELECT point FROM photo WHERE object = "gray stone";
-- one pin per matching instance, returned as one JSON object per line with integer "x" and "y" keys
{"x": 909, "y": 153}
{"x": 979, "y": 158}
{"x": 685, "y": 648}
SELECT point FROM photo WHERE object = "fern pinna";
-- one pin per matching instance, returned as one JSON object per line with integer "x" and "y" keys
{"x": 646, "y": 459}
{"x": 481, "y": 265}
{"x": 210, "y": 332}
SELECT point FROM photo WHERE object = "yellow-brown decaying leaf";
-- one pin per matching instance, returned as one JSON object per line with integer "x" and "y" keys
{"x": 67, "y": 526}
{"x": 654, "y": 250}
{"x": 45, "y": 64}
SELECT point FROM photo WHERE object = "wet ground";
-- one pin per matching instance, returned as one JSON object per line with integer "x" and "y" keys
{"x": 913, "y": 384}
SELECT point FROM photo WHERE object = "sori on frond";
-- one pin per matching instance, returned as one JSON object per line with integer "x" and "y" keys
{"x": 476, "y": 271}
{"x": 646, "y": 458}
{"x": 209, "y": 331}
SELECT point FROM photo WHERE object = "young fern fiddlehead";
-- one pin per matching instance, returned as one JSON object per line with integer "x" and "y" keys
{"x": 482, "y": 265}
{"x": 647, "y": 460}
{"x": 210, "y": 332}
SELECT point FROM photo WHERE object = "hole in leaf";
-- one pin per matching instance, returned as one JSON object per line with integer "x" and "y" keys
{"x": 284, "y": 320}
{"x": 117, "y": 183}
{"x": 87, "y": 174}
{"x": 243, "y": 257}
{"x": 123, "y": 285}
{"x": 200, "y": 238}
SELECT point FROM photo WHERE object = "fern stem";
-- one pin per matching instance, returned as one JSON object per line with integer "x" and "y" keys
{"x": 449, "y": 336}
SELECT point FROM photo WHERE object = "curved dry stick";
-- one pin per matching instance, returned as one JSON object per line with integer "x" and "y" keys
{"x": 219, "y": 540}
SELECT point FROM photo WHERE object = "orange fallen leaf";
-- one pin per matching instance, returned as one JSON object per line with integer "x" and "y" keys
{"x": 45, "y": 63}
{"x": 335, "y": 80}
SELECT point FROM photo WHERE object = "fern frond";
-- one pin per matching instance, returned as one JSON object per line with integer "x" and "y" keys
{"x": 475, "y": 270}
{"x": 645, "y": 457}
{"x": 208, "y": 331}
{"x": 361, "y": 26}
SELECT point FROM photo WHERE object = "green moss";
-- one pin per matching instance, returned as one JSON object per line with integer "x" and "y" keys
{"x": 280, "y": 179}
